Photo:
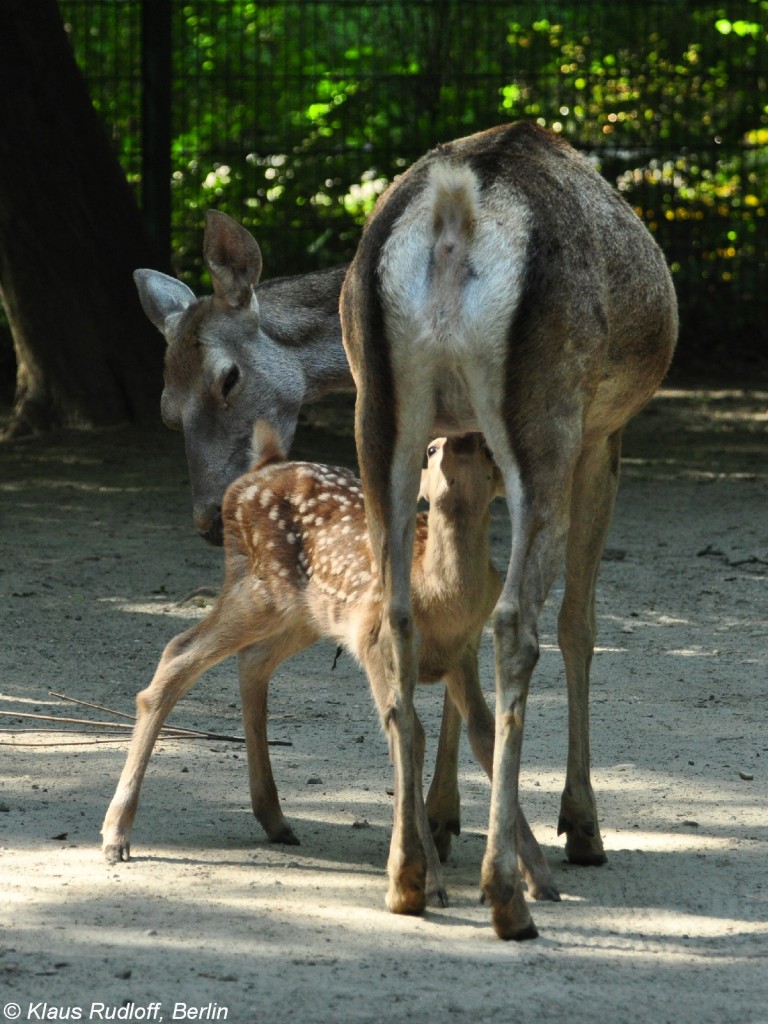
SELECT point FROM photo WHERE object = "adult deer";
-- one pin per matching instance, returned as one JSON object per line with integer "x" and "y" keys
{"x": 249, "y": 352}
{"x": 299, "y": 566}
{"x": 501, "y": 285}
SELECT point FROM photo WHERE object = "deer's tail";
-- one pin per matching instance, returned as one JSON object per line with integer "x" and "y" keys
{"x": 455, "y": 202}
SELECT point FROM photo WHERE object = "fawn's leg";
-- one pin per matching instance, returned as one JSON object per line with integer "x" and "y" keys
{"x": 182, "y": 663}
{"x": 255, "y": 667}
{"x": 443, "y": 801}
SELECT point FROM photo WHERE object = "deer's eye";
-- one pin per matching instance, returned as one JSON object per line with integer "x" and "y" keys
{"x": 231, "y": 378}
{"x": 432, "y": 450}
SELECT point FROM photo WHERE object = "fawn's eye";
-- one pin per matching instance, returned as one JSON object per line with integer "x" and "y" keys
{"x": 431, "y": 450}
{"x": 229, "y": 380}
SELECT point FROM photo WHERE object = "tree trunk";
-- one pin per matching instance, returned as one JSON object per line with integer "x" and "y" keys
{"x": 70, "y": 237}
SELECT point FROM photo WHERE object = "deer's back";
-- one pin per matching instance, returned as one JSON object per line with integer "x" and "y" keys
{"x": 561, "y": 275}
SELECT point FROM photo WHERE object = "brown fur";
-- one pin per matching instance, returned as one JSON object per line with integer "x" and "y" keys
{"x": 502, "y": 286}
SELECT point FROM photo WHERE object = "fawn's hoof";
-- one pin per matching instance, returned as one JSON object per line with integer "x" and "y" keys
{"x": 544, "y": 893}
{"x": 438, "y": 898}
{"x": 442, "y": 832}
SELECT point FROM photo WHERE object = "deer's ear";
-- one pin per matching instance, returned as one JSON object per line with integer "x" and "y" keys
{"x": 161, "y": 296}
{"x": 233, "y": 259}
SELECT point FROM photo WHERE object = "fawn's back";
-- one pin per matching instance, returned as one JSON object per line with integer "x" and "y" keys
{"x": 295, "y": 535}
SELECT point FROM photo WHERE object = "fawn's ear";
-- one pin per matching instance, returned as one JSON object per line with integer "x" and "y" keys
{"x": 265, "y": 445}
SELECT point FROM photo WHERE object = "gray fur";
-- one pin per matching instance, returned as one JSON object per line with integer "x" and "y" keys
{"x": 249, "y": 352}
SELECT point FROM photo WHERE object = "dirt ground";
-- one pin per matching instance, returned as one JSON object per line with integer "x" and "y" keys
{"x": 97, "y": 550}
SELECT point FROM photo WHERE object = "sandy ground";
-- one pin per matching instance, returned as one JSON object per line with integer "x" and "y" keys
{"x": 98, "y": 548}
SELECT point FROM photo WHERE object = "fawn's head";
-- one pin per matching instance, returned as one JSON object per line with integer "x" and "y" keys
{"x": 460, "y": 474}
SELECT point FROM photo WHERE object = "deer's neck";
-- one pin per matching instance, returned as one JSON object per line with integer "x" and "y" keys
{"x": 325, "y": 364}
{"x": 301, "y": 314}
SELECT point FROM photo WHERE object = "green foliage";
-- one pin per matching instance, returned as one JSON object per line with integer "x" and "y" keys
{"x": 292, "y": 116}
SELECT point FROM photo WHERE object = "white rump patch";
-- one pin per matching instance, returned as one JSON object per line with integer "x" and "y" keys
{"x": 452, "y": 272}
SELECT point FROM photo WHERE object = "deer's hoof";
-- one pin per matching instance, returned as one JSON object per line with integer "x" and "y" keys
{"x": 407, "y": 894}
{"x": 114, "y": 853}
{"x": 508, "y": 926}
{"x": 583, "y": 845}
{"x": 286, "y": 836}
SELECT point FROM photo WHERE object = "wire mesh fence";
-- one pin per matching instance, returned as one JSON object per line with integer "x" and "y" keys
{"x": 293, "y": 116}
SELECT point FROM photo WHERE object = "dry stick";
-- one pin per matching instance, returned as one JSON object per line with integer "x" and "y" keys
{"x": 87, "y": 704}
{"x": 180, "y": 730}
{"x": 68, "y": 721}
{"x": 170, "y": 732}
{"x": 56, "y": 743}
{"x": 131, "y": 718}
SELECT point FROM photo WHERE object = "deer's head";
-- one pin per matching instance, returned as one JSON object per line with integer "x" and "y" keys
{"x": 222, "y": 370}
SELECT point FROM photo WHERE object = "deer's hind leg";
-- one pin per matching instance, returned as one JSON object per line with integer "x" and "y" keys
{"x": 594, "y": 489}
{"x": 463, "y": 686}
{"x": 402, "y": 896}
{"x": 391, "y": 496}
{"x": 538, "y": 502}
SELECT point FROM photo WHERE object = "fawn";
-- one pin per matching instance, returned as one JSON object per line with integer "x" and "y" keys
{"x": 299, "y": 566}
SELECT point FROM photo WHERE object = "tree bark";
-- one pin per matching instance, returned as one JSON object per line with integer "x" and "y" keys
{"x": 70, "y": 237}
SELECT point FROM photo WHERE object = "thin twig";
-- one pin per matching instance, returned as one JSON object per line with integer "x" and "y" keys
{"x": 168, "y": 731}
{"x": 87, "y": 704}
{"x": 181, "y": 730}
{"x": 67, "y": 721}
{"x": 54, "y": 743}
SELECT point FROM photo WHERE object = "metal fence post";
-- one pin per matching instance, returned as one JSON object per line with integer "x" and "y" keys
{"x": 156, "y": 74}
